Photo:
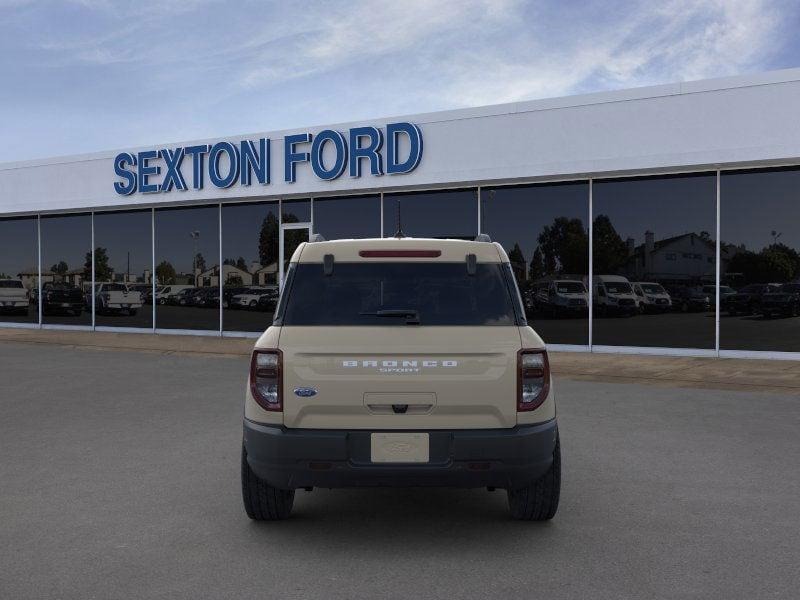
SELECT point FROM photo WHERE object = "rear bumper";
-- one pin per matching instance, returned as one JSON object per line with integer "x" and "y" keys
{"x": 297, "y": 458}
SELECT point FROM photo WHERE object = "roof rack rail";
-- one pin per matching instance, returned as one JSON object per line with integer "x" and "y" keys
{"x": 316, "y": 237}
{"x": 483, "y": 237}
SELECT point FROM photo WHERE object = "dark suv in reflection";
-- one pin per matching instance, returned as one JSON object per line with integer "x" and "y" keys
{"x": 62, "y": 298}
{"x": 205, "y": 297}
{"x": 183, "y": 298}
{"x": 783, "y": 301}
{"x": 748, "y": 299}
{"x": 689, "y": 299}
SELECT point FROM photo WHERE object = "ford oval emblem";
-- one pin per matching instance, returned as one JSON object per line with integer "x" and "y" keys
{"x": 304, "y": 392}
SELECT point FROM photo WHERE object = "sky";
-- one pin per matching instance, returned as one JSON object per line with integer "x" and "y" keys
{"x": 90, "y": 75}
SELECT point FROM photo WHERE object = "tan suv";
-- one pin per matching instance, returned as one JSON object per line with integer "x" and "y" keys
{"x": 400, "y": 362}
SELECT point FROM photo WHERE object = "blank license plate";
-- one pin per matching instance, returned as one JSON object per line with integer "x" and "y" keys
{"x": 400, "y": 447}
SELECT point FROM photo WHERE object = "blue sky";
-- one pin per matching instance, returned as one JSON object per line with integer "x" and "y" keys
{"x": 88, "y": 75}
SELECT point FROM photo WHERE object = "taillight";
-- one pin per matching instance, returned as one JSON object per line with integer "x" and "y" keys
{"x": 266, "y": 378}
{"x": 533, "y": 379}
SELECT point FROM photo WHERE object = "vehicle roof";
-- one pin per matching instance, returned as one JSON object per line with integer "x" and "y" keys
{"x": 617, "y": 278}
{"x": 451, "y": 250}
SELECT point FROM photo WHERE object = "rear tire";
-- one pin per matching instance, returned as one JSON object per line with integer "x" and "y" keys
{"x": 538, "y": 501}
{"x": 262, "y": 502}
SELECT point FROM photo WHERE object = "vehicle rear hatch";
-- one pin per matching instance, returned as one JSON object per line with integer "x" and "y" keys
{"x": 403, "y": 378}
{"x": 423, "y": 334}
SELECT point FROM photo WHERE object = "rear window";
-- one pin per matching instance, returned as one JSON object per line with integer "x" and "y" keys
{"x": 379, "y": 294}
{"x": 10, "y": 283}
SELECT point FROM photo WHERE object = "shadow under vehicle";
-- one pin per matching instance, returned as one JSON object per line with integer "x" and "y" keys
{"x": 613, "y": 295}
{"x": 651, "y": 297}
{"x": 785, "y": 301}
{"x": 207, "y": 297}
{"x": 14, "y": 298}
{"x": 747, "y": 300}
{"x": 561, "y": 297}
{"x": 62, "y": 298}
{"x": 689, "y": 299}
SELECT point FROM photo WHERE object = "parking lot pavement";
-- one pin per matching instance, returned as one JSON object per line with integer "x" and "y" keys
{"x": 120, "y": 479}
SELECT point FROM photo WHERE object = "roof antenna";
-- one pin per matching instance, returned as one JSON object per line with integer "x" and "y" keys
{"x": 399, "y": 233}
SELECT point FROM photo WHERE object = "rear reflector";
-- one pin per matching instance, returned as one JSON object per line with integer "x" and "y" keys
{"x": 399, "y": 253}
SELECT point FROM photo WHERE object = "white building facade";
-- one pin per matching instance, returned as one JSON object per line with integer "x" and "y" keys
{"x": 613, "y": 183}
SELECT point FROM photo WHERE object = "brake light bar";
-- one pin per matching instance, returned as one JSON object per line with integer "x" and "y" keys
{"x": 399, "y": 253}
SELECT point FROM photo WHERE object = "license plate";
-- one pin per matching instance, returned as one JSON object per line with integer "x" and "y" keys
{"x": 126, "y": 306}
{"x": 400, "y": 447}
{"x": 65, "y": 304}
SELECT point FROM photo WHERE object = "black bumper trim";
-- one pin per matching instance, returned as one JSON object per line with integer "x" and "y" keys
{"x": 297, "y": 458}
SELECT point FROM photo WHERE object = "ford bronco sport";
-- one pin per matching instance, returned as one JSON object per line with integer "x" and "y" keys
{"x": 400, "y": 362}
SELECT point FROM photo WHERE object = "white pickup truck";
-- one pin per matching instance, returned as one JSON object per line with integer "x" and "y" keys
{"x": 115, "y": 298}
{"x": 14, "y": 298}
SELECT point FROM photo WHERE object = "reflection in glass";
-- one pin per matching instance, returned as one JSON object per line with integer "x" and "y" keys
{"x": 187, "y": 267}
{"x": 296, "y": 211}
{"x": 544, "y": 231}
{"x": 66, "y": 269}
{"x": 760, "y": 260}
{"x": 249, "y": 265}
{"x": 123, "y": 266}
{"x": 348, "y": 218}
{"x": 447, "y": 214}
{"x": 654, "y": 257}
{"x": 19, "y": 270}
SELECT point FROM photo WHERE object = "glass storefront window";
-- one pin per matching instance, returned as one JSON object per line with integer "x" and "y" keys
{"x": 446, "y": 214}
{"x": 350, "y": 217}
{"x": 760, "y": 260}
{"x": 249, "y": 265}
{"x": 654, "y": 261}
{"x": 19, "y": 270}
{"x": 123, "y": 265}
{"x": 187, "y": 268}
{"x": 296, "y": 211}
{"x": 66, "y": 269}
{"x": 544, "y": 231}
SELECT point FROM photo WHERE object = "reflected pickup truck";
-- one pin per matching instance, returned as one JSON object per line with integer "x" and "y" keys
{"x": 400, "y": 362}
{"x": 14, "y": 298}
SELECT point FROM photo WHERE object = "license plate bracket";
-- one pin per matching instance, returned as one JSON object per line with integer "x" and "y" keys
{"x": 405, "y": 447}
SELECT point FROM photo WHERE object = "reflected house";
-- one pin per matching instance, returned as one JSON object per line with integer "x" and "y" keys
{"x": 210, "y": 277}
{"x": 29, "y": 277}
{"x": 686, "y": 258}
{"x": 266, "y": 275}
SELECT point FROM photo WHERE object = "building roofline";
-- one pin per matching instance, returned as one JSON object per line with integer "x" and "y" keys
{"x": 546, "y": 104}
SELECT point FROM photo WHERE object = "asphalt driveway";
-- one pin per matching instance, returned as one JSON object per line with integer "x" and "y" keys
{"x": 119, "y": 479}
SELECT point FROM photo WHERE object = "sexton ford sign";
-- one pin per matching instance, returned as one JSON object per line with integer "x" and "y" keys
{"x": 225, "y": 164}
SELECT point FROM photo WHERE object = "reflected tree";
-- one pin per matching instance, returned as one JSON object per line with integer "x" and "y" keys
{"x": 268, "y": 241}
{"x": 102, "y": 270}
{"x": 165, "y": 273}
{"x": 565, "y": 246}
{"x": 60, "y": 268}
{"x": 610, "y": 252}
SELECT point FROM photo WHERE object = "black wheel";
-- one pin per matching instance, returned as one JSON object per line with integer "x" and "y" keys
{"x": 262, "y": 502}
{"x": 539, "y": 501}
{"x": 132, "y": 312}
{"x": 253, "y": 303}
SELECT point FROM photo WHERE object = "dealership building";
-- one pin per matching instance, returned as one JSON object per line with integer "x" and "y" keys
{"x": 660, "y": 220}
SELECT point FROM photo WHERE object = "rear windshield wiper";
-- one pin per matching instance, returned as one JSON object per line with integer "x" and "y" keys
{"x": 411, "y": 315}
